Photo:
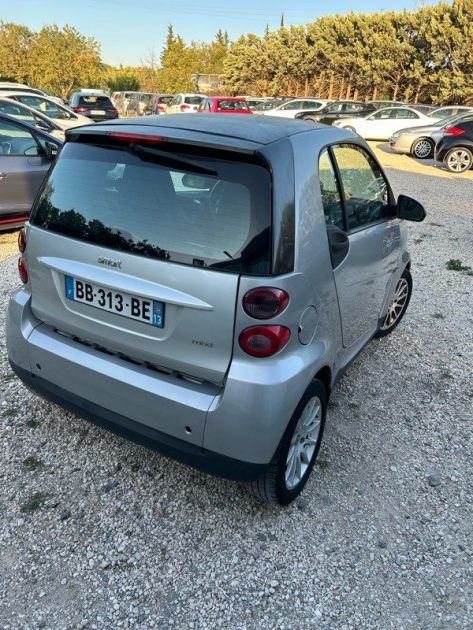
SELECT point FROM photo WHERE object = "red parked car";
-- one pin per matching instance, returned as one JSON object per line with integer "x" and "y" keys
{"x": 224, "y": 105}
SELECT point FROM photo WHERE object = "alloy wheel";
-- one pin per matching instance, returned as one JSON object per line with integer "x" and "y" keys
{"x": 459, "y": 161}
{"x": 423, "y": 149}
{"x": 303, "y": 442}
{"x": 396, "y": 308}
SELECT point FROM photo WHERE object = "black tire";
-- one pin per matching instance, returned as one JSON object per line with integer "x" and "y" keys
{"x": 388, "y": 329}
{"x": 271, "y": 486}
{"x": 420, "y": 145}
{"x": 459, "y": 169}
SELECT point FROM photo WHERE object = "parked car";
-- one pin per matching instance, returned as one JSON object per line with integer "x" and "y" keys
{"x": 161, "y": 103}
{"x": 63, "y": 115}
{"x": 455, "y": 147}
{"x": 271, "y": 103}
{"x": 187, "y": 301}
{"x": 254, "y": 101}
{"x": 420, "y": 141}
{"x": 224, "y": 105}
{"x": 382, "y": 104}
{"x": 185, "y": 103}
{"x": 296, "y": 106}
{"x": 26, "y": 154}
{"x": 337, "y": 111}
{"x": 98, "y": 107}
{"x": 141, "y": 104}
{"x": 423, "y": 109}
{"x": 449, "y": 111}
{"x": 384, "y": 122}
{"x": 9, "y": 86}
{"x": 121, "y": 101}
{"x": 31, "y": 116}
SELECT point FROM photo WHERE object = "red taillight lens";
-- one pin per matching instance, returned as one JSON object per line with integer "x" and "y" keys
{"x": 112, "y": 110}
{"x": 22, "y": 240}
{"x": 137, "y": 138}
{"x": 264, "y": 341}
{"x": 184, "y": 107}
{"x": 79, "y": 110}
{"x": 453, "y": 131}
{"x": 265, "y": 302}
{"x": 22, "y": 270}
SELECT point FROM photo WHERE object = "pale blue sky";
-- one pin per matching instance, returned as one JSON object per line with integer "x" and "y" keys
{"x": 128, "y": 29}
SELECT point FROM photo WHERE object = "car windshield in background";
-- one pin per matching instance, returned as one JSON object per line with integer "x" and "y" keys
{"x": 135, "y": 203}
{"x": 193, "y": 100}
{"x": 95, "y": 101}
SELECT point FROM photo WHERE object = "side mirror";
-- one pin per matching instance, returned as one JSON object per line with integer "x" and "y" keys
{"x": 409, "y": 209}
{"x": 51, "y": 149}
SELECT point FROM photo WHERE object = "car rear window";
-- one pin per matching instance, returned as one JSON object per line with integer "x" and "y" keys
{"x": 134, "y": 202}
{"x": 95, "y": 101}
{"x": 232, "y": 105}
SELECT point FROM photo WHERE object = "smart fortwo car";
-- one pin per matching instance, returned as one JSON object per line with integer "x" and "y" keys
{"x": 199, "y": 284}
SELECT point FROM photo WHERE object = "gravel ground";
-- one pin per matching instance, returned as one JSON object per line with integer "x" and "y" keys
{"x": 97, "y": 532}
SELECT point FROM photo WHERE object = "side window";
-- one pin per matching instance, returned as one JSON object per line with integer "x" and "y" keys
{"x": 16, "y": 140}
{"x": 404, "y": 113}
{"x": 383, "y": 114}
{"x": 331, "y": 201}
{"x": 336, "y": 107}
{"x": 365, "y": 190}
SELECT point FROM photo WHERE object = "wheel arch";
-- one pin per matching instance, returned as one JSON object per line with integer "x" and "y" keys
{"x": 324, "y": 375}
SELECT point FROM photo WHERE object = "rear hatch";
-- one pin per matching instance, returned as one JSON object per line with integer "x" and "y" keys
{"x": 96, "y": 107}
{"x": 138, "y": 247}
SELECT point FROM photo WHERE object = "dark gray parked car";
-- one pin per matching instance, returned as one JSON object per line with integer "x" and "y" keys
{"x": 26, "y": 154}
{"x": 198, "y": 284}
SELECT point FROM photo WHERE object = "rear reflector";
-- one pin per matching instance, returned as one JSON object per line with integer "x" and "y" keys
{"x": 265, "y": 302}
{"x": 136, "y": 138}
{"x": 22, "y": 270}
{"x": 453, "y": 131}
{"x": 264, "y": 341}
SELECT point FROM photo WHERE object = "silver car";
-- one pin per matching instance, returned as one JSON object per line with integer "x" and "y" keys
{"x": 199, "y": 285}
{"x": 420, "y": 141}
{"x": 26, "y": 154}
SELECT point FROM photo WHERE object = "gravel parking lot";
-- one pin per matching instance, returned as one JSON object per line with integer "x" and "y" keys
{"x": 96, "y": 532}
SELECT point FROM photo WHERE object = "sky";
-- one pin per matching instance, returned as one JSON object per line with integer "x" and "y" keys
{"x": 129, "y": 29}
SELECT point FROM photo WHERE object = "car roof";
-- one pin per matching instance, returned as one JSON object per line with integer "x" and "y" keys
{"x": 255, "y": 129}
{"x": 21, "y": 92}
{"x": 228, "y": 98}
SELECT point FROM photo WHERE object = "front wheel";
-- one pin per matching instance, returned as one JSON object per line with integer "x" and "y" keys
{"x": 398, "y": 306}
{"x": 459, "y": 160}
{"x": 297, "y": 451}
{"x": 423, "y": 148}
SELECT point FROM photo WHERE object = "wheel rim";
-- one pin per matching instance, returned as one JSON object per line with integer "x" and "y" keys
{"x": 398, "y": 304}
{"x": 423, "y": 148}
{"x": 303, "y": 442}
{"x": 458, "y": 161}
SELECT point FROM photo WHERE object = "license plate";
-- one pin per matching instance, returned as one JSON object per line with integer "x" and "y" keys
{"x": 124, "y": 304}
{"x": 97, "y": 112}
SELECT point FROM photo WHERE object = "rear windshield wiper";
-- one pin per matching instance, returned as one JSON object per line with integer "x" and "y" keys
{"x": 170, "y": 160}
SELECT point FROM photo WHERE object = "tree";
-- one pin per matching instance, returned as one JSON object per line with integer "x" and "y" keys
{"x": 62, "y": 60}
{"x": 15, "y": 41}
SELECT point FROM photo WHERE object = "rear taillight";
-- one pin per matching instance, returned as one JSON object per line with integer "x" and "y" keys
{"x": 453, "y": 131}
{"x": 112, "y": 110}
{"x": 79, "y": 110}
{"x": 264, "y": 341}
{"x": 265, "y": 302}
{"x": 184, "y": 107}
{"x": 22, "y": 240}
{"x": 22, "y": 270}
{"x": 136, "y": 138}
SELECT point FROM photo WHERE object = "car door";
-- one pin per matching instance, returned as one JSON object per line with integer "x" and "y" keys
{"x": 363, "y": 234}
{"x": 402, "y": 118}
{"x": 174, "y": 105}
{"x": 330, "y": 113}
{"x": 23, "y": 165}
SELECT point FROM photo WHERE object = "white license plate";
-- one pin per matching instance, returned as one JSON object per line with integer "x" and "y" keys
{"x": 124, "y": 304}
{"x": 97, "y": 112}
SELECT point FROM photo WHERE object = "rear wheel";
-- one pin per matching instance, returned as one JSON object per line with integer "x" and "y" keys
{"x": 459, "y": 160}
{"x": 398, "y": 306}
{"x": 297, "y": 451}
{"x": 423, "y": 148}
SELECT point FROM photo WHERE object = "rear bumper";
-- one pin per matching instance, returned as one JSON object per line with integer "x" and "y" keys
{"x": 190, "y": 454}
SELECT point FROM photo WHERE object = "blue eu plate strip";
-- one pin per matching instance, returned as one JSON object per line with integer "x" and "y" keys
{"x": 158, "y": 314}
{"x": 69, "y": 287}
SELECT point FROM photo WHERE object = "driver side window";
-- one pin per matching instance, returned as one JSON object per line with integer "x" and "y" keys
{"x": 365, "y": 190}
{"x": 16, "y": 140}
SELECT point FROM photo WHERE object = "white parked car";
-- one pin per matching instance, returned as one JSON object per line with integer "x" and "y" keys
{"x": 31, "y": 116}
{"x": 185, "y": 103}
{"x": 381, "y": 124}
{"x": 9, "y": 86}
{"x": 61, "y": 114}
{"x": 296, "y": 106}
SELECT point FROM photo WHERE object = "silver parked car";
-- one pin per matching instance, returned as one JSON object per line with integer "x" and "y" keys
{"x": 197, "y": 284}
{"x": 26, "y": 153}
{"x": 420, "y": 141}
